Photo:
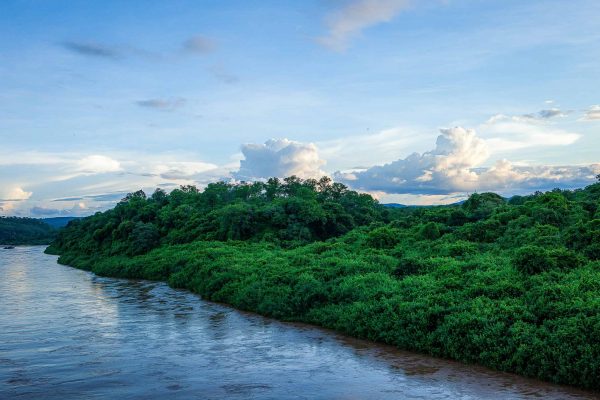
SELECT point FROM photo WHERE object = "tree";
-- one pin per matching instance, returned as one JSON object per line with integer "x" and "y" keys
{"x": 144, "y": 237}
{"x": 481, "y": 205}
{"x": 383, "y": 237}
{"x": 430, "y": 231}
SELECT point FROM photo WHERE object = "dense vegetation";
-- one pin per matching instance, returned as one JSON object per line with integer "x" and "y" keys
{"x": 25, "y": 231}
{"x": 513, "y": 285}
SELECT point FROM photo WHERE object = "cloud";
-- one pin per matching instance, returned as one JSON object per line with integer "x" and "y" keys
{"x": 506, "y": 133}
{"x": 505, "y": 176}
{"x": 354, "y": 151}
{"x": 109, "y": 52}
{"x": 77, "y": 209}
{"x": 455, "y": 165}
{"x": 182, "y": 170}
{"x": 280, "y": 158}
{"x": 14, "y": 193}
{"x": 7, "y": 207}
{"x": 551, "y": 113}
{"x": 419, "y": 199}
{"x": 162, "y": 104}
{"x": 351, "y": 20}
{"x": 97, "y": 164}
{"x": 541, "y": 115}
{"x": 199, "y": 45}
{"x": 89, "y": 165}
{"x": 63, "y": 180}
{"x": 97, "y": 197}
{"x": 592, "y": 113}
{"x": 222, "y": 74}
{"x": 43, "y": 211}
{"x": 90, "y": 49}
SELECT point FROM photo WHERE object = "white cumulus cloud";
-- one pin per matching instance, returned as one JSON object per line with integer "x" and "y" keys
{"x": 279, "y": 158}
{"x": 455, "y": 165}
{"x": 592, "y": 113}
{"x": 14, "y": 193}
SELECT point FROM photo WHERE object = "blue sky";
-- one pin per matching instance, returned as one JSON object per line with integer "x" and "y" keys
{"x": 101, "y": 98}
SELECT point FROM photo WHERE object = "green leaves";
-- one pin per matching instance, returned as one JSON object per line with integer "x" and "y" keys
{"x": 383, "y": 237}
{"x": 531, "y": 260}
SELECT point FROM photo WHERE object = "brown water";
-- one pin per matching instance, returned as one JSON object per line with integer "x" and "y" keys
{"x": 68, "y": 334}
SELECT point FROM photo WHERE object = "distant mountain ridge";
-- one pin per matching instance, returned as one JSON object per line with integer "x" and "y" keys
{"x": 394, "y": 205}
{"x": 58, "y": 222}
{"x": 399, "y": 205}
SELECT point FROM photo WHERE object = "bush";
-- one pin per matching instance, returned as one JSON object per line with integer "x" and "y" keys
{"x": 144, "y": 237}
{"x": 383, "y": 238}
{"x": 459, "y": 248}
{"x": 566, "y": 259}
{"x": 534, "y": 259}
{"x": 482, "y": 205}
{"x": 531, "y": 260}
{"x": 430, "y": 231}
{"x": 409, "y": 266}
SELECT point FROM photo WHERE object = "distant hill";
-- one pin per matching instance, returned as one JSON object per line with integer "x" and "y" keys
{"x": 58, "y": 222}
{"x": 398, "y": 205}
{"x": 25, "y": 231}
{"x": 394, "y": 205}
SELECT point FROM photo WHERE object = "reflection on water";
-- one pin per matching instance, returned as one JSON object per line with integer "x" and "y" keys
{"x": 67, "y": 334}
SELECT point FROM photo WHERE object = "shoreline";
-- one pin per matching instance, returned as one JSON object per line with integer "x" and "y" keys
{"x": 348, "y": 338}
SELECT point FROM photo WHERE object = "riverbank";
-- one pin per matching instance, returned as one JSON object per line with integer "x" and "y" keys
{"x": 482, "y": 315}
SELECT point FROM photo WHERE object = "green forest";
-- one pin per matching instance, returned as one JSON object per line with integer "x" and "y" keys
{"x": 25, "y": 231}
{"x": 512, "y": 284}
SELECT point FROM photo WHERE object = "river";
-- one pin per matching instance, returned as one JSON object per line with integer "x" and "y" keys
{"x": 68, "y": 334}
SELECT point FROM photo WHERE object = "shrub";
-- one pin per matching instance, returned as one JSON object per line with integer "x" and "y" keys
{"x": 459, "y": 248}
{"x": 143, "y": 238}
{"x": 383, "y": 238}
{"x": 533, "y": 260}
{"x": 430, "y": 231}
{"x": 409, "y": 266}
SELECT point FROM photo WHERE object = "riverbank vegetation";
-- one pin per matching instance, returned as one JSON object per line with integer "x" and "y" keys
{"x": 510, "y": 284}
{"x": 25, "y": 231}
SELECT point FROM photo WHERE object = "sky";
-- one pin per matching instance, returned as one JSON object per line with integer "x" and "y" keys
{"x": 413, "y": 101}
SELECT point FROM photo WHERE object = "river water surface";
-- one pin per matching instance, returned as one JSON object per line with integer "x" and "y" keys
{"x": 68, "y": 334}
